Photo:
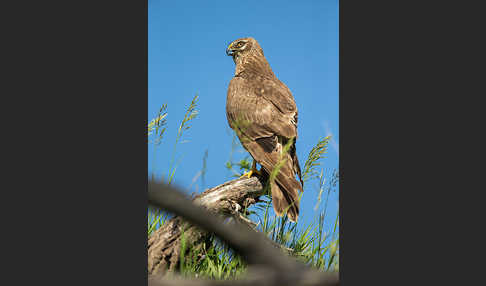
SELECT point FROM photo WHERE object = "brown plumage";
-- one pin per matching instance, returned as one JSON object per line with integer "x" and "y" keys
{"x": 262, "y": 111}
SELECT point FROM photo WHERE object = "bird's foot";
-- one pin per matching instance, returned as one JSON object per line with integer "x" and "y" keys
{"x": 252, "y": 171}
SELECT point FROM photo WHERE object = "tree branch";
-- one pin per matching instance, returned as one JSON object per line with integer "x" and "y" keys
{"x": 253, "y": 246}
{"x": 229, "y": 199}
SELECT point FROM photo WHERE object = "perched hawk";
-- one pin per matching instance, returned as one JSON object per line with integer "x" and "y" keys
{"x": 262, "y": 111}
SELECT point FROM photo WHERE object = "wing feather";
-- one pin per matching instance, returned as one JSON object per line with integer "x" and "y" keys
{"x": 260, "y": 114}
{"x": 263, "y": 113}
{"x": 287, "y": 194}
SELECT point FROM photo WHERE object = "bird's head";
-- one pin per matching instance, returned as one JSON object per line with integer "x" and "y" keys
{"x": 243, "y": 46}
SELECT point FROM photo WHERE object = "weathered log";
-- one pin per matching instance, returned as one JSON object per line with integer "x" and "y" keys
{"x": 228, "y": 199}
{"x": 267, "y": 266}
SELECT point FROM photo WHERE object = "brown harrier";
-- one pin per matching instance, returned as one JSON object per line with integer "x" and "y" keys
{"x": 262, "y": 111}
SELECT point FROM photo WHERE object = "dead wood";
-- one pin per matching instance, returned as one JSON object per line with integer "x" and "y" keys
{"x": 228, "y": 199}
{"x": 267, "y": 265}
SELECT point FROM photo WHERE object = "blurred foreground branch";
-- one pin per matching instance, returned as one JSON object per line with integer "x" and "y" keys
{"x": 268, "y": 266}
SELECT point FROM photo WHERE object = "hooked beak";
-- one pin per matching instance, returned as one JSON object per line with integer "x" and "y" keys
{"x": 230, "y": 51}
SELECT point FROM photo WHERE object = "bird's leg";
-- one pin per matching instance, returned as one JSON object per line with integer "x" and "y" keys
{"x": 252, "y": 171}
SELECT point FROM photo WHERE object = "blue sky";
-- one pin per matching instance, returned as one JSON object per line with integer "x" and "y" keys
{"x": 186, "y": 56}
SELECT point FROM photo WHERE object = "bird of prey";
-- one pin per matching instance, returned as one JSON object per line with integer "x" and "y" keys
{"x": 262, "y": 112}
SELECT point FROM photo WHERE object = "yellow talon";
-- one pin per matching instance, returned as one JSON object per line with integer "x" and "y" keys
{"x": 248, "y": 174}
{"x": 252, "y": 171}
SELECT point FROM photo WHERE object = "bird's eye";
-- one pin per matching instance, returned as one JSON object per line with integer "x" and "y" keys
{"x": 240, "y": 44}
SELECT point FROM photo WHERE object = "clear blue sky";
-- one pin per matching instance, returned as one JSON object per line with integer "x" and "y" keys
{"x": 186, "y": 56}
